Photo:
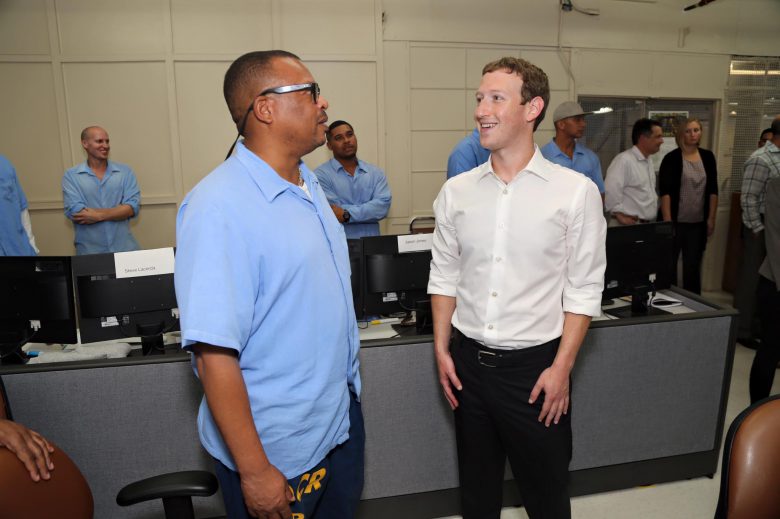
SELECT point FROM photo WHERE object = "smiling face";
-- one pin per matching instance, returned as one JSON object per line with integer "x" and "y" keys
{"x": 502, "y": 117}
{"x": 96, "y": 143}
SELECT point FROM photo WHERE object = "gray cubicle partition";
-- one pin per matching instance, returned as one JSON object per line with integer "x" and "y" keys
{"x": 649, "y": 398}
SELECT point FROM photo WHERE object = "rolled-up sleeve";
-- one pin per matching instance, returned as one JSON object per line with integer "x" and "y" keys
{"x": 586, "y": 254}
{"x": 754, "y": 178}
{"x": 71, "y": 194}
{"x": 377, "y": 207}
{"x": 445, "y": 265}
{"x": 131, "y": 194}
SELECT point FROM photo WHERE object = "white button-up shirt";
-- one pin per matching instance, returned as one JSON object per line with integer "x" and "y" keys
{"x": 517, "y": 256}
{"x": 630, "y": 185}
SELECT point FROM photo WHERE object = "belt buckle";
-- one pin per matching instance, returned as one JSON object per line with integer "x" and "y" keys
{"x": 485, "y": 357}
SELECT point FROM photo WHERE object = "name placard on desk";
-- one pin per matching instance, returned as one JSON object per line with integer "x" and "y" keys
{"x": 151, "y": 262}
{"x": 415, "y": 242}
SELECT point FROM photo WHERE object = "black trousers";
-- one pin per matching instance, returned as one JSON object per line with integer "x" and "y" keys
{"x": 690, "y": 239}
{"x": 753, "y": 255}
{"x": 762, "y": 373}
{"x": 494, "y": 421}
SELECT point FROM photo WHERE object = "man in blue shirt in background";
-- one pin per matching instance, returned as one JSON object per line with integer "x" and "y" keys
{"x": 564, "y": 150}
{"x": 467, "y": 155}
{"x": 101, "y": 197}
{"x": 357, "y": 191}
{"x": 16, "y": 237}
{"x": 263, "y": 285}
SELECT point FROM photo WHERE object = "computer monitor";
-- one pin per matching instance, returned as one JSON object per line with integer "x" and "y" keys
{"x": 639, "y": 257}
{"x": 394, "y": 282}
{"x": 112, "y": 308}
{"x": 355, "y": 248}
{"x": 36, "y": 303}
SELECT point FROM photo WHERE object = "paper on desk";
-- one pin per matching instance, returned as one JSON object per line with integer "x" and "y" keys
{"x": 148, "y": 262}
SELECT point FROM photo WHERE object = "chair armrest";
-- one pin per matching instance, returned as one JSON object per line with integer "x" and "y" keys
{"x": 176, "y": 484}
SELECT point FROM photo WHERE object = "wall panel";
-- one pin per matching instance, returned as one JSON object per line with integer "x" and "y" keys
{"x": 29, "y": 136}
{"x": 24, "y": 27}
{"x": 112, "y": 27}
{"x": 345, "y": 27}
{"x": 130, "y": 101}
{"x": 244, "y": 25}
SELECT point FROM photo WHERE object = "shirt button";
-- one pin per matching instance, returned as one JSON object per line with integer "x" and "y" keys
{"x": 506, "y": 191}
{"x": 494, "y": 294}
{"x": 501, "y": 226}
{"x": 498, "y": 259}
{"x": 490, "y": 327}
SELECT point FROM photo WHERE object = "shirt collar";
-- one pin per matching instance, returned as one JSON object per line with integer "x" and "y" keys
{"x": 84, "y": 168}
{"x": 535, "y": 166}
{"x": 638, "y": 154}
{"x": 339, "y": 168}
{"x": 577, "y": 149}
{"x": 265, "y": 177}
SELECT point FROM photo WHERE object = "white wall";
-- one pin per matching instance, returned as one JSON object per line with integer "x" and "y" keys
{"x": 403, "y": 72}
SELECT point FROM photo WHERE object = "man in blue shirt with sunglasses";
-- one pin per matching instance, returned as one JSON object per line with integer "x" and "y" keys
{"x": 263, "y": 284}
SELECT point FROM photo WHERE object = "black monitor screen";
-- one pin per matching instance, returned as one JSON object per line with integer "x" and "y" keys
{"x": 634, "y": 254}
{"x": 37, "y": 292}
{"x": 116, "y": 309}
{"x": 394, "y": 281}
{"x": 356, "y": 266}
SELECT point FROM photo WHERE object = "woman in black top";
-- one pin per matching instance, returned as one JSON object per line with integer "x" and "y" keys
{"x": 688, "y": 186}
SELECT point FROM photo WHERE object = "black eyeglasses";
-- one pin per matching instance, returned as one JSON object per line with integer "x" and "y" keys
{"x": 313, "y": 88}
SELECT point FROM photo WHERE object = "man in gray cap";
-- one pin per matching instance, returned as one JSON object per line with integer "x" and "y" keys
{"x": 563, "y": 149}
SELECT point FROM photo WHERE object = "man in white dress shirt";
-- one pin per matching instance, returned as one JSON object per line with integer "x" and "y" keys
{"x": 630, "y": 183}
{"x": 517, "y": 274}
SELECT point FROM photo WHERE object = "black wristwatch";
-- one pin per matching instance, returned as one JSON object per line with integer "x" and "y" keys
{"x": 346, "y": 216}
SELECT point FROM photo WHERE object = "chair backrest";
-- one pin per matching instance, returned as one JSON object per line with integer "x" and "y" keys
{"x": 422, "y": 224}
{"x": 750, "y": 474}
{"x": 65, "y": 496}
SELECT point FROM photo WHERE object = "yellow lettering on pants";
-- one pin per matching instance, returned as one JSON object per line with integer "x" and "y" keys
{"x": 297, "y": 516}
{"x": 299, "y": 492}
{"x": 314, "y": 482}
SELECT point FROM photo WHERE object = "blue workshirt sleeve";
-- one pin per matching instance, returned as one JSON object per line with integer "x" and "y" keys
{"x": 377, "y": 207}
{"x": 71, "y": 194}
{"x": 326, "y": 183}
{"x": 216, "y": 280}
{"x": 131, "y": 193}
{"x": 459, "y": 162}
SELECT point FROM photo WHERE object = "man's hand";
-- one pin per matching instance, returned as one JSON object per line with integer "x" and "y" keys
{"x": 88, "y": 216}
{"x": 447, "y": 377}
{"x": 338, "y": 211}
{"x": 31, "y": 448}
{"x": 554, "y": 381}
{"x": 267, "y": 494}
{"x": 626, "y": 219}
{"x": 710, "y": 226}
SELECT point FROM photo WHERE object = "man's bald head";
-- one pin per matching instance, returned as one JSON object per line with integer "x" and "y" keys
{"x": 247, "y": 77}
{"x": 86, "y": 132}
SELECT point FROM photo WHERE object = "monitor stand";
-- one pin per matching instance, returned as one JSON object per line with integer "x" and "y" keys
{"x": 152, "y": 342}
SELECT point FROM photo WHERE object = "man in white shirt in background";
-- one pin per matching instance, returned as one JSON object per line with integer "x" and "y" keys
{"x": 517, "y": 273}
{"x": 630, "y": 182}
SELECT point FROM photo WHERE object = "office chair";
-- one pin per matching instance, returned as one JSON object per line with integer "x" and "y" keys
{"x": 422, "y": 224}
{"x": 67, "y": 494}
{"x": 750, "y": 474}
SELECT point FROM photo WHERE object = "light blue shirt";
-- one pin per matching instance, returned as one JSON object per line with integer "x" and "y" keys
{"x": 583, "y": 161}
{"x": 467, "y": 155}
{"x": 263, "y": 269}
{"x": 365, "y": 195}
{"x": 13, "y": 238}
{"x": 81, "y": 188}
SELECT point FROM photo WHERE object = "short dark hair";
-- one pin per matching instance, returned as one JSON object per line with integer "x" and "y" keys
{"x": 643, "y": 126}
{"x": 765, "y": 131}
{"x": 242, "y": 78}
{"x": 336, "y": 124}
{"x": 775, "y": 128}
{"x": 535, "y": 82}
